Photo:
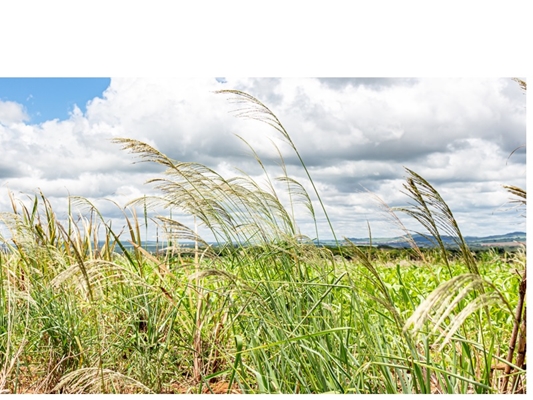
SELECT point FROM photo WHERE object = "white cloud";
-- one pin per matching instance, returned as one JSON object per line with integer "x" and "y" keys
{"x": 11, "y": 113}
{"x": 457, "y": 133}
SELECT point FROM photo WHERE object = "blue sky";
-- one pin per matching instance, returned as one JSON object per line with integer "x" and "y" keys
{"x": 45, "y": 99}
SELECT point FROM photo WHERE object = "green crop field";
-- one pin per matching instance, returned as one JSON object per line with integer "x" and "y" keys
{"x": 86, "y": 309}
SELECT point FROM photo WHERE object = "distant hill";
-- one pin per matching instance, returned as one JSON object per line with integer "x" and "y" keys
{"x": 511, "y": 239}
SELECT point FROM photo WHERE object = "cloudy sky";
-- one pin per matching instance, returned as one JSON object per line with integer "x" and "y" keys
{"x": 354, "y": 134}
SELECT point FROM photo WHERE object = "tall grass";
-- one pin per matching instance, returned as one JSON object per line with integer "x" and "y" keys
{"x": 84, "y": 309}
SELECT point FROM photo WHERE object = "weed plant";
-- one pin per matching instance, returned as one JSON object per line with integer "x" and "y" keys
{"x": 265, "y": 311}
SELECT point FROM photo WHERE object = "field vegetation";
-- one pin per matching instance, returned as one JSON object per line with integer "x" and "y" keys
{"x": 264, "y": 311}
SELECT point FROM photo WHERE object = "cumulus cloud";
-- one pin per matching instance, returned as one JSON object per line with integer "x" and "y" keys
{"x": 11, "y": 113}
{"x": 354, "y": 135}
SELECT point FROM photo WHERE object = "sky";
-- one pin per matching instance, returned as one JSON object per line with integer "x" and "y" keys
{"x": 48, "y": 99}
{"x": 465, "y": 136}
